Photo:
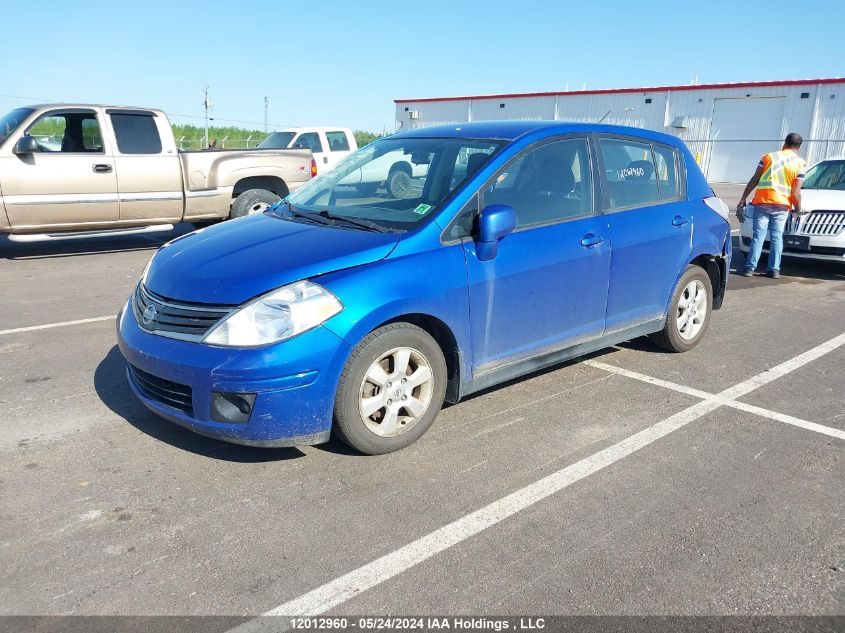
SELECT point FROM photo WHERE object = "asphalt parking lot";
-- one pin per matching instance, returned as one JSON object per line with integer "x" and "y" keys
{"x": 634, "y": 482}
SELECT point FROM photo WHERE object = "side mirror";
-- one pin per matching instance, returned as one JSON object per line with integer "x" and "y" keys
{"x": 496, "y": 221}
{"x": 26, "y": 145}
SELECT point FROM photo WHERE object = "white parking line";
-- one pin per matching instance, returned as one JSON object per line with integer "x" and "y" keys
{"x": 346, "y": 587}
{"x": 49, "y": 326}
{"x": 722, "y": 400}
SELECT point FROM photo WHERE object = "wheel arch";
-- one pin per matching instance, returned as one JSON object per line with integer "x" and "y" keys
{"x": 401, "y": 165}
{"x": 269, "y": 183}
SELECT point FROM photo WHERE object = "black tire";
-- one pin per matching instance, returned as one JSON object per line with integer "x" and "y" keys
{"x": 670, "y": 337}
{"x": 398, "y": 183}
{"x": 367, "y": 189}
{"x": 349, "y": 422}
{"x": 252, "y": 201}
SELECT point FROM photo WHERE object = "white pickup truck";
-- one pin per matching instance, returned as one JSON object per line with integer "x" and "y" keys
{"x": 87, "y": 170}
{"x": 393, "y": 171}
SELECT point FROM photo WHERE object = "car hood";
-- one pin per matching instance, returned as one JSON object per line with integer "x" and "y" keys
{"x": 822, "y": 200}
{"x": 234, "y": 261}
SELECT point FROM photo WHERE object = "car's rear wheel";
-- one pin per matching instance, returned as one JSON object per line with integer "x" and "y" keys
{"x": 391, "y": 389}
{"x": 252, "y": 201}
{"x": 689, "y": 314}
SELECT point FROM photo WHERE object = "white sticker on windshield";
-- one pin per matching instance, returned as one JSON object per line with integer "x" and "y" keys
{"x": 421, "y": 210}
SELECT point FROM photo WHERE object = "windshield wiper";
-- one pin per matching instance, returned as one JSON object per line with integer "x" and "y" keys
{"x": 296, "y": 213}
{"x": 359, "y": 222}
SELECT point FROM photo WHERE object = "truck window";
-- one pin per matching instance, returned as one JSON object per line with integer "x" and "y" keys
{"x": 69, "y": 132}
{"x": 136, "y": 133}
{"x": 337, "y": 141}
{"x": 308, "y": 140}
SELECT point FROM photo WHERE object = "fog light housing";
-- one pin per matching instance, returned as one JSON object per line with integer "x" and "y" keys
{"x": 231, "y": 407}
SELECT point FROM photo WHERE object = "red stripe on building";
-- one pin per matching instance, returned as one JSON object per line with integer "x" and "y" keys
{"x": 747, "y": 84}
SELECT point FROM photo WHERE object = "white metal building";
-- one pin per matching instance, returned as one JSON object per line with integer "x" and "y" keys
{"x": 727, "y": 126}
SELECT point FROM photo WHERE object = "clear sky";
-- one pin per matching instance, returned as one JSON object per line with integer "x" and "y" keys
{"x": 327, "y": 62}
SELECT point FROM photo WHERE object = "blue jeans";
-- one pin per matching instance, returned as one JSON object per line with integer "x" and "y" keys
{"x": 771, "y": 219}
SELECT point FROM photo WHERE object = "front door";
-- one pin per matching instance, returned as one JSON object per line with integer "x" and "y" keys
{"x": 547, "y": 286}
{"x": 69, "y": 181}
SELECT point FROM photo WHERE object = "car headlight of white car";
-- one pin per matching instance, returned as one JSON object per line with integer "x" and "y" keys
{"x": 276, "y": 316}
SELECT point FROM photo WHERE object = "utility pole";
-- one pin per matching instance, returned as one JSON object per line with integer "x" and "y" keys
{"x": 207, "y": 105}
{"x": 266, "y": 114}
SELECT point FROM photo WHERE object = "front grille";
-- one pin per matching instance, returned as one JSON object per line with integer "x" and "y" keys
{"x": 828, "y": 223}
{"x": 166, "y": 392}
{"x": 175, "y": 319}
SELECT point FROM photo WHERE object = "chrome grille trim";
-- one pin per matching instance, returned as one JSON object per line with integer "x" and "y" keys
{"x": 825, "y": 223}
{"x": 176, "y": 319}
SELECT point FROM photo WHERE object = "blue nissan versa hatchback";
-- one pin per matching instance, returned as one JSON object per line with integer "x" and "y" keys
{"x": 342, "y": 309}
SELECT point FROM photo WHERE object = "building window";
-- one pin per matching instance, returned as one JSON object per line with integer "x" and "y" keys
{"x": 648, "y": 100}
{"x": 805, "y": 95}
{"x": 501, "y": 105}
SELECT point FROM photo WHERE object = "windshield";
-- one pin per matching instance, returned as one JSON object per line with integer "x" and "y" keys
{"x": 12, "y": 120}
{"x": 395, "y": 183}
{"x": 277, "y": 140}
{"x": 827, "y": 175}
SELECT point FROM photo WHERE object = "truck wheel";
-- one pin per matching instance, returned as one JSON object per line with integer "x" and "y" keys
{"x": 689, "y": 313}
{"x": 398, "y": 184}
{"x": 391, "y": 389}
{"x": 252, "y": 201}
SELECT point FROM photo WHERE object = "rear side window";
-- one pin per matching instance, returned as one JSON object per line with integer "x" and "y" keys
{"x": 629, "y": 172}
{"x": 136, "y": 133}
{"x": 666, "y": 169}
{"x": 308, "y": 140}
{"x": 337, "y": 141}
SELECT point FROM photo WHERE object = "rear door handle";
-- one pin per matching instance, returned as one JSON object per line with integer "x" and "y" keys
{"x": 590, "y": 240}
{"x": 102, "y": 169}
{"x": 679, "y": 221}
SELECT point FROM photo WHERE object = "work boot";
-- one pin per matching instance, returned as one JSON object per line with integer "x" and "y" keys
{"x": 773, "y": 274}
{"x": 746, "y": 272}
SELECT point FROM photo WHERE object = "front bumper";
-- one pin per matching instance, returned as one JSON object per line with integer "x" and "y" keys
{"x": 294, "y": 382}
{"x": 822, "y": 247}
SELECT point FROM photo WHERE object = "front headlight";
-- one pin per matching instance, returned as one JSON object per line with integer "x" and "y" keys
{"x": 276, "y": 316}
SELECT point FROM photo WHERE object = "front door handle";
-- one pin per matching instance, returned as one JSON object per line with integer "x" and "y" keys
{"x": 325, "y": 160}
{"x": 590, "y": 240}
{"x": 679, "y": 221}
{"x": 102, "y": 169}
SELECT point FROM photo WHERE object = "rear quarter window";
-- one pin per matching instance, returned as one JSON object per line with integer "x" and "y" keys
{"x": 337, "y": 141}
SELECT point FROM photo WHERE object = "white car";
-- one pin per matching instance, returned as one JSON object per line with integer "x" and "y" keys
{"x": 819, "y": 234}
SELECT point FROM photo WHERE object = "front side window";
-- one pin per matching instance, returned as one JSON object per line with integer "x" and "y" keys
{"x": 136, "y": 133}
{"x": 393, "y": 183}
{"x": 827, "y": 175}
{"x": 629, "y": 173}
{"x": 549, "y": 183}
{"x": 308, "y": 140}
{"x": 68, "y": 132}
{"x": 337, "y": 141}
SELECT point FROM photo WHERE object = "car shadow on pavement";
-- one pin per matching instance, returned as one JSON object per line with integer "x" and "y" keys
{"x": 88, "y": 246}
{"x": 113, "y": 389}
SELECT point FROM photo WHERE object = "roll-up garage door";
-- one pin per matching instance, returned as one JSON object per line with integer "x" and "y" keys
{"x": 743, "y": 129}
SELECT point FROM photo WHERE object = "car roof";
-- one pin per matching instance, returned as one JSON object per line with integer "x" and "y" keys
{"x": 512, "y": 130}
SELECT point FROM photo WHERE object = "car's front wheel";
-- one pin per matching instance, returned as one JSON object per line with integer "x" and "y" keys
{"x": 689, "y": 314}
{"x": 391, "y": 389}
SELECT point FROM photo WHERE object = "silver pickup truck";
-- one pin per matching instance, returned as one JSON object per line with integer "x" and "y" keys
{"x": 71, "y": 170}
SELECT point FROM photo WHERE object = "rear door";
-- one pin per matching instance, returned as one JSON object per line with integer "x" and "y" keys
{"x": 650, "y": 225}
{"x": 547, "y": 286}
{"x": 69, "y": 181}
{"x": 149, "y": 172}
